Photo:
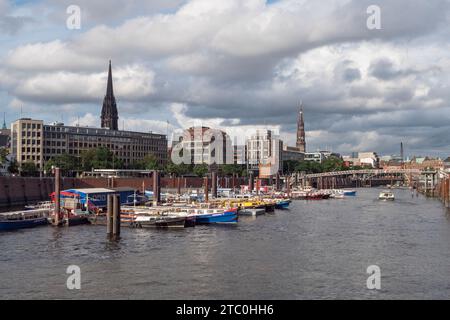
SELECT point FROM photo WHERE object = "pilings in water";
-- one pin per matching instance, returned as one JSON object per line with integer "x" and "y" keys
{"x": 113, "y": 216}
{"x": 214, "y": 184}
{"x": 156, "y": 188}
{"x": 288, "y": 186}
{"x": 179, "y": 186}
{"x": 57, "y": 196}
{"x": 116, "y": 217}
{"x": 109, "y": 215}
{"x": 250, "y": 182}
{"x": 206, "y": 189}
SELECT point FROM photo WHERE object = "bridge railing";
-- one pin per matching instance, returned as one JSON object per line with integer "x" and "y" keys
{"x": 365, "y": 171}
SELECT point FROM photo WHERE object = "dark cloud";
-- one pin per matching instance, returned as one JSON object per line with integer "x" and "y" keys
{"x": 384, "y": 69}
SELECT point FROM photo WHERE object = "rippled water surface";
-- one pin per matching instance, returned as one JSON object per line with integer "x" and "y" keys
{"x": 315, "y": 250}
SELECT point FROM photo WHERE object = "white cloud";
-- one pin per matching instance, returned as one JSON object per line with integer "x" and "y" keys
{"x": 130, "y": 82}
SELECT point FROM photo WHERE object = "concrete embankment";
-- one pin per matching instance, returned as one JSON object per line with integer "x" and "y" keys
{"x": 17, "y": 191}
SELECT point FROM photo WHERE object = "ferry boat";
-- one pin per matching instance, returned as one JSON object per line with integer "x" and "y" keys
{"x": 23, "y": 219}
{"x": 386, "y": 196}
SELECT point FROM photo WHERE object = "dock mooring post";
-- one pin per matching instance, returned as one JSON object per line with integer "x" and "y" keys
{"x": 179, "y": 186}
{"x": 250, "y": 182}
{"x": 57, "y": 196}
{"x": 288, "y": 186}
{"x": 277, "y": 182}
{"x": 109, "y": 215}
{"x": 206, "y": 189}
{"x": 257, "y": 186}
{"x": 116, "y": 216}
{"x": 156, "y": 188}
{"x": 214, "y": 184}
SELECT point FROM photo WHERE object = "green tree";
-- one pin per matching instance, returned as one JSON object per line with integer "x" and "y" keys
{"x": 100, "y": 158}
{"x": 200, "y": 169}
{"x": 13, "y": 167}
{"x": 333, "y": 164}
{"x": 177, "y": 169}
{"x": 66, "y": 162}
{"x": 230, "y": 169}
{"x": 289, "y": 166}
{"x": 29, "y": 169}
{"x": 150, "y": 162}
{"x": 3, "y": 154}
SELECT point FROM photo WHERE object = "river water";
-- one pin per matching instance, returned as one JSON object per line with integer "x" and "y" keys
{"x": 314, "y": 250}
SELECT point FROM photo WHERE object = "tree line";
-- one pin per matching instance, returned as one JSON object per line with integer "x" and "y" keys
{"x": 103, "y": 158}
{"x": 331, "y": 164}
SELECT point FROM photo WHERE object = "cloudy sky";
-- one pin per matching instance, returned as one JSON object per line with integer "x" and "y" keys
{"x": 238, "y": 65}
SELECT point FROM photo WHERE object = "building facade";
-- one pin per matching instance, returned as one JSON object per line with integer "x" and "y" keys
{"x": 264, "y": 148}
{"x": 27, "y": 141}
{"x": 292, "y": 154}
{"x": 202, "y": 145}
{"x": 33, "y": 141}
{"x": 315, "y": 156}
{"x": 365, "y": 159}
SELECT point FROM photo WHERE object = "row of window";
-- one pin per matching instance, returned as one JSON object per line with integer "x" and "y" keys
{"x": 32, "y": 134}
{"x": 31, "y": 150}
{"x": 31, "y": 142}
{"x": 26, "y": 158}
{"x": 140, "y": 155}
{"x": 32, "y": 126}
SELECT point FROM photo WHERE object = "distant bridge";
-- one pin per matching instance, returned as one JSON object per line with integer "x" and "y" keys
{"x": 371, "y": 172}
{"x": 356, "y": 178}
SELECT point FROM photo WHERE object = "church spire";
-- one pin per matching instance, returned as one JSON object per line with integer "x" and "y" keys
{"x": 110, "y": 115}
{"x": 301, "y": 139}
{"x": 109, "y": 88}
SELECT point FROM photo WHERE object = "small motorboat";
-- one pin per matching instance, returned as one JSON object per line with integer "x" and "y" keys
{"x": 227, "y": 216}
{"x": 252, "y": 212}
{"x": 386, "y": 195}
{"x": 157, "y": 221}
{"x": 337, "y": 196}
{"x": 349, "y": 193}
{"x": 282, "y": 204}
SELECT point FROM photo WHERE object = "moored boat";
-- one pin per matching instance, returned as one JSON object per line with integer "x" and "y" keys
{"x": 156, "y": 221}
{"x": 282, "y": 204}
{"x": 23, "y": 219}
{"x": 209, "y": 216}
{"x": 251, "y": 212}
{"x": 349, "y": 193}
{"x": 386, "y": 195}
